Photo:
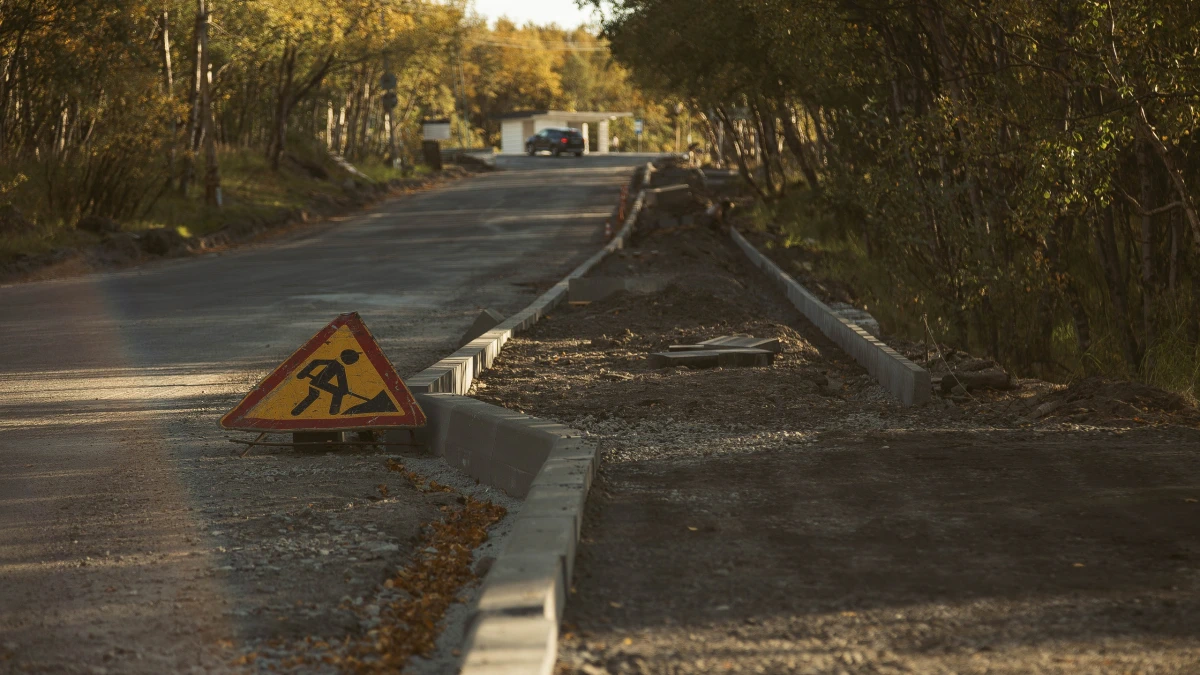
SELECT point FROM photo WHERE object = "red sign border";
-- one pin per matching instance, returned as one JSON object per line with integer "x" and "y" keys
{"x": 412, "y": 416}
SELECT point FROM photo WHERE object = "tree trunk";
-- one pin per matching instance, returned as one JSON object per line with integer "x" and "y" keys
{"x": 351, "y": 132}
{"x": 329, "y": 126}
{"x": 773, "y": 148}
{"x": 287, "y": 67}
{"x": 1164, "y": 156}
{"x": 715, "y": 135}
{"x": 764, "y": 160}
{"x": 365, "y": 120}
{"x": 791, "y": 134}
{"x": 1061, "y": 234}
{"x": 212, "y": 174}
{"x": 169, "y": 91}
{"x": 289, "y": 94}
{"x": 1147, "y": 230}
{"x": 7, "y": 75}
{"x": 194, "y": 127}
{"x": 739, "y": 153}
{"x": 1110, "y": 261}
{"x": 1173, "y": 270}
{"x": 823, "y": 143}
{"x": 339, "y": 128}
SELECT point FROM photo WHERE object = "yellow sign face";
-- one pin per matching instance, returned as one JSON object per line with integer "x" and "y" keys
{"x": 335, "y": 381}
{"x": 339, "y": 380}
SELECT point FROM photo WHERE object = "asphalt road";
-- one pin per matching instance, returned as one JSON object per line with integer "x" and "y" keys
{"x": 114, "y": 474}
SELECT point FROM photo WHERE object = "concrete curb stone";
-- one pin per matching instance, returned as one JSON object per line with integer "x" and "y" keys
{"x": 455, "y": 373}
{"x": 903, "y": 379}
{"x": 514, "y": 626}
{"x": 512, "y": 646}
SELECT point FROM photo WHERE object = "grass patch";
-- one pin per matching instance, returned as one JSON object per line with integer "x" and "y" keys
{"x": 815, "y": 245}
{"x": 380, "y": 171}
{"x": 251, "y": 192}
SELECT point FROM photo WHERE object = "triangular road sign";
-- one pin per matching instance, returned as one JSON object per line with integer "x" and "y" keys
{"x": 338, "y": 381}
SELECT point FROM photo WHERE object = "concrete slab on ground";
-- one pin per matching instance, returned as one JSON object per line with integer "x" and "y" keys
{"x": 714, "y": 358}
{"x": 744, "y": 342}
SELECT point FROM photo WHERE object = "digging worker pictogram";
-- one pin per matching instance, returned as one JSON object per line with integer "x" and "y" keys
{"x": 331, "y": 379}
{"x": 340, "y": 367}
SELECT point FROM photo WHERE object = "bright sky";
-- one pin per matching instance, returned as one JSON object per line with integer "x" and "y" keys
{"x": 562, "y": 12}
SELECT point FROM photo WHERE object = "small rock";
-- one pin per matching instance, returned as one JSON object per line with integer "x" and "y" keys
{"x": 163, "y": 241}
{"x": 1046, "y": 408}
{"x": 483, "y": 565}
{"x": 988, "y": 378}
{"x": 12, "y": 220}
{"x": 97, "y": 225}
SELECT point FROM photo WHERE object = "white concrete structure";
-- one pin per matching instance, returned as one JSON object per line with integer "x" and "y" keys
{"x": 516, "y": 127}
{"x": 436, "y": 130}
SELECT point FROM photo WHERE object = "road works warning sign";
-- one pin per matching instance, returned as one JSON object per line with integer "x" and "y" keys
{"x": 338, "y": 381}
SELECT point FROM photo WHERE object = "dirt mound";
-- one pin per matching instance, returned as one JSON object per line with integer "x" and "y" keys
{"x": 13, "y": 221}
{"x": 676, "y": 307}
{"x": 1101, "y": 400}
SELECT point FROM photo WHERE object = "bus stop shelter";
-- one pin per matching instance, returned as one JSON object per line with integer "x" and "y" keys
{"x": 518, "y": 126}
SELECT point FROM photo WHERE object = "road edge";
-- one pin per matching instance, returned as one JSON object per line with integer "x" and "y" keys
{"x": 514, "y": 625}
{"x": 903, "y": 379}
{"x": 455, "y": 373}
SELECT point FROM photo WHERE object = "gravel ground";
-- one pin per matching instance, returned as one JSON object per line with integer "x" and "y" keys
{"x": 133, "y": 541}
{"x": 794, "y": 519}
{"x": 367, "y": 539}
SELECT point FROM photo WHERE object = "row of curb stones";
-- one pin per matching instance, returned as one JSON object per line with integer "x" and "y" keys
{"x": 903, "y": 379}
{"x": 513, "y": 628}
{"x": 455, "y": 373}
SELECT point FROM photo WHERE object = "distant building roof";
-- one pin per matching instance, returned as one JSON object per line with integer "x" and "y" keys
{"x": 575, "y": 116}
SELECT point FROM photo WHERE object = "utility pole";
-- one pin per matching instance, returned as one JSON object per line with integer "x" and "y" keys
{"x": 212, "y": 175}
{"x": 461, "y": 86}
{"x": 195, "y": 127}
{"x": 169, "y": 92}
{"x": 388, "y": 84}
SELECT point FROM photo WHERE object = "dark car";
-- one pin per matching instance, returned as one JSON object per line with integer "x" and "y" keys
{"x": 556, "y": 142}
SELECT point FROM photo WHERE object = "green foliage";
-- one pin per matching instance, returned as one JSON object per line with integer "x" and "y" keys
{"x": 509, "y": 68}
{"x": 1024, "y": 171}
{"x": 93, "y": 120}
